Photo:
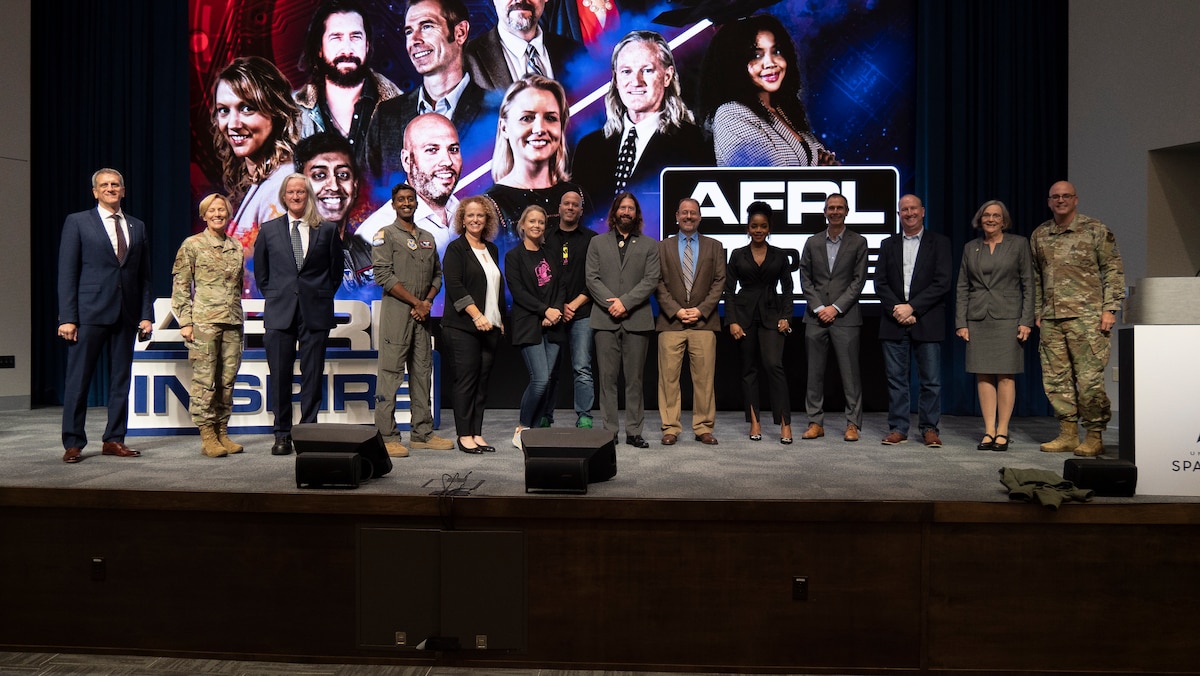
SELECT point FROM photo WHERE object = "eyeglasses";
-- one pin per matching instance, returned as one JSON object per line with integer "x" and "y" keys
{"x": 1055, "y": 198}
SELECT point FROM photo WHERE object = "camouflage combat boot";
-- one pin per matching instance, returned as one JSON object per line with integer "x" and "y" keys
{"x": 210, "y": 445}
{"x": 228, "y": 444}
{"x": 1067, "y": 440}
{"x": 1092, "y": 445}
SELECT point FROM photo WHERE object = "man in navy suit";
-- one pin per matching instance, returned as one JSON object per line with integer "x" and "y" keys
{"x": 103, "y": 299}
{"x": 298, "y": 267}
{"x": 912, "y": 278}
{"x": 833, "y": 271}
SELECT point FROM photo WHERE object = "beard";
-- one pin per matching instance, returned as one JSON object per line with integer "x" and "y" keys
{"x": 430, "y": 189}
{"x": 350, "y": 78}
{"x": 520, "y": 23}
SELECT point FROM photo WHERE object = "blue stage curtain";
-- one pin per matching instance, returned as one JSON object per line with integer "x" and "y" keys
{"x": 992, "y": 124}
{"x": 109, "y": 90}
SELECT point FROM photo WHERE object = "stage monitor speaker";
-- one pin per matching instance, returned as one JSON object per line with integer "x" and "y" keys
{"x": 316, "y": 469}
{"x": 1108, "y": 478}
{"x": 567, "y": 459}
{"x": 342, "y": 438}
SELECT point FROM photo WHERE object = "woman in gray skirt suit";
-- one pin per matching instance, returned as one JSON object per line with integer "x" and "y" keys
{"x": 994, "y": 316}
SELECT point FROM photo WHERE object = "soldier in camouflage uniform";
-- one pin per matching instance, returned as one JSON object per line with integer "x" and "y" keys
{"x": 407, "y": 267}
{"x": 207, "y": 301}
{"x": 1079, "y": 283}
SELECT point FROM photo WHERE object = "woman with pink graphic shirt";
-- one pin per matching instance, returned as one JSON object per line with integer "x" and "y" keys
{"x": 534, "y": 281}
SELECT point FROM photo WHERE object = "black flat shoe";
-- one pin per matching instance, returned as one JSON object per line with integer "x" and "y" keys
{"x": 988, "y": 443}
{"x": 997, "y": 446}
{"x": 464, "y": 449}
{"x": 487, "y": 449}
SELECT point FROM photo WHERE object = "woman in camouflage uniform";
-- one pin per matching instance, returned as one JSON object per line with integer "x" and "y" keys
{"x": 207, "y": 301}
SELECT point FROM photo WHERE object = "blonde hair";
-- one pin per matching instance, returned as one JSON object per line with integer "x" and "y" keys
{"x": 502, "y": 155}
{"x": 525, "y": 215}
{"x": 311, "y": 218}
{"x": 491, "y": 217}
{"x": 208, "y": 202}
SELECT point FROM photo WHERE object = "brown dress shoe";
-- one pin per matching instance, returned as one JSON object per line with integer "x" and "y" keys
{"x": 118, "y": 449}
{"x": 814, "y": 430}
{"x": 931, "y": 439}
{"x": 894, "y": 438}
{"x": 669, "y": 439}
{"x": 851, "y": 432}
{"x": 73, "y": 455}
{"x": 707, "y": 438}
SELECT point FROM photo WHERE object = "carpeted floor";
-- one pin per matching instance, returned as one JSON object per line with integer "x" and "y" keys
{"x": 737, "y": 468}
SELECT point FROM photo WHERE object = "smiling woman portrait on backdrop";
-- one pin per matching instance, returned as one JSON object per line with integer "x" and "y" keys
{"x": 529, "y": 163}
{"x": 750, "y": 97}
{"x": 994, "y": 315}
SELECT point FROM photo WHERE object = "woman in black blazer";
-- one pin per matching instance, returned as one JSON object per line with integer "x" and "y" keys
{"x": 535, "y": 281}
{"x": 759, "y": 317}
{"x": 472, "y": 322}
{"x": 994, "y": 314}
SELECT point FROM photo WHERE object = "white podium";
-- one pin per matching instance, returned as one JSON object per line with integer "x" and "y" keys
{"x": 1159, "y": 391}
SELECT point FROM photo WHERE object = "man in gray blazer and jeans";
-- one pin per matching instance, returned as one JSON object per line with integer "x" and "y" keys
{"x": 833, "y": 271}
{"x": 622, "y": 272}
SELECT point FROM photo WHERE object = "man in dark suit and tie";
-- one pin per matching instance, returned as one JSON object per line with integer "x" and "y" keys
{"x": 298, "y": 267}
{"x": 517, "y": 46}
{"x": 435, "y": 32}
{"x": 693, "y": 279}
{"x": 648, "y": 126}
{"x": 103, "y": 300}
{"x": 912, "y": 278}
{"x": 622, "y": 271}
{"x": 833, "y": 271}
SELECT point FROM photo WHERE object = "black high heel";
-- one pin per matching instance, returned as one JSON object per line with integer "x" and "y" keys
{"x": 754, "y": 419}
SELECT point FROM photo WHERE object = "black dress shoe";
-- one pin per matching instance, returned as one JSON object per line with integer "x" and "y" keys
{"x": 283, "y": 446}
{"x": 637, "y": 441}
{"x": 487, "y": 449}
{"x": 467, "y": 449}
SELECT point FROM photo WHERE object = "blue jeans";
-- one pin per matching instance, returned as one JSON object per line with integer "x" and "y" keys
{"x": 897, "y": 360}
{"x": 540, "y": 359}
{"x": 579, "y": 332}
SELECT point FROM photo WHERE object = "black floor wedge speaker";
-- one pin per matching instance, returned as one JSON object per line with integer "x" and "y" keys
{"x": 1108, "y": 478}
{"x": 336, "y": 438}
{"x": 566, "y": 459}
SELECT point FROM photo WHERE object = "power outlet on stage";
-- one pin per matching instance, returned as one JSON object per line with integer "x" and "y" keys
{"x": 800, "y": 588}
{"x": 99, "y": 569}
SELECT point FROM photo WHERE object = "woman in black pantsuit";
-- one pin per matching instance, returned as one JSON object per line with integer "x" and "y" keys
{"x": 472, "y": 322}
{"x": 759, "y": 317}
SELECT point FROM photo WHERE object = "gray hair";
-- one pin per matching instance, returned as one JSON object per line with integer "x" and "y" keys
{"x": 674, "y": 113}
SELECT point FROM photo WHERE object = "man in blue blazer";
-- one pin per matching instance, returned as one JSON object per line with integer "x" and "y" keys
{"x": 833, "y": 271}
{"x": 912, "y": 278}
{"x": 103, "y": 300}
{"x": 298, "y": 267}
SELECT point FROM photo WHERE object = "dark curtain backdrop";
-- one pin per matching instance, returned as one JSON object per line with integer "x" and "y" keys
{"x": 111, "y": 90}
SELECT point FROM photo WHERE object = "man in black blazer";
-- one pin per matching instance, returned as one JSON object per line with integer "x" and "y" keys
{"x": 103, "y": 300}
{"x": 833, "y": 271}
{"x": 503, "y": 55}
{"x": 912, "y": 278}
{"x": 436, "y": 32}
{"x": 298, "y": 267}
{"x": 648, "y": 126}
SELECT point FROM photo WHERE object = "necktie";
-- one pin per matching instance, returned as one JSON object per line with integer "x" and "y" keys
{"x": 297, "y": 245}
{"x": 689, "y": 266}
{"x": 625, "y": 160}
{"x": 533, "y": 64}
{"x": 122, "y": 245}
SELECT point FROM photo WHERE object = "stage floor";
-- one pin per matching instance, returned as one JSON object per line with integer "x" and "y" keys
{"x": 736, "y": 469}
